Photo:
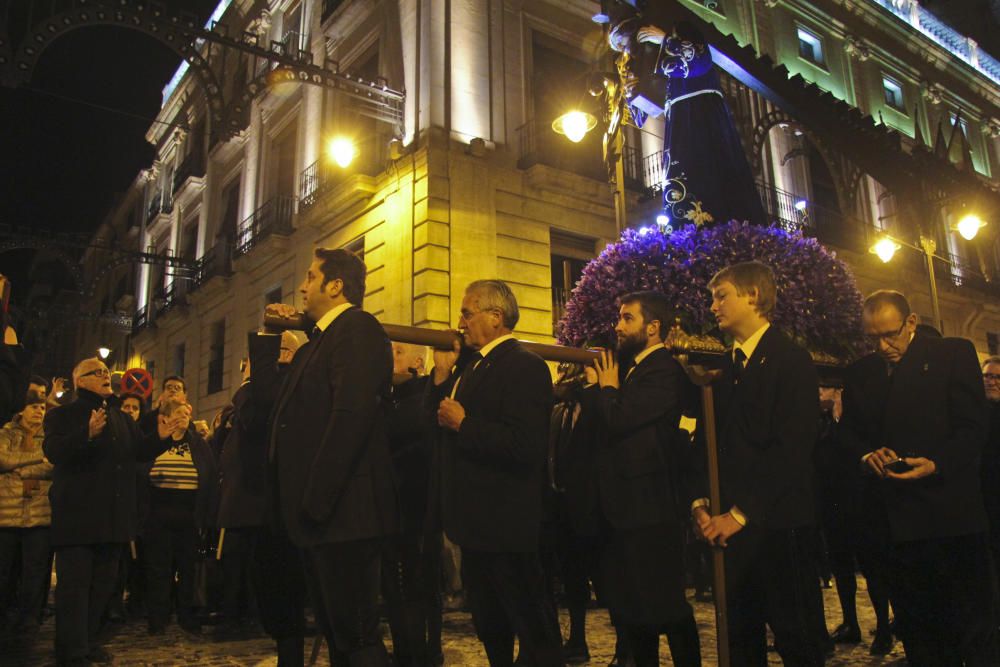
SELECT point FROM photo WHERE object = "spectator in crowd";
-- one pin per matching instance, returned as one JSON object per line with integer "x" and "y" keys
{"x": 173, "y": 387}
{"x": 93, "y": 448}
{"x": 25, "y": 514}
{"x": 180, "y": 482}
{"x": 766, "y": 412}
{"x": 13, "y": 369}
{"x": 411, "y": 566}
{"x": 640, "y": 466}
{"x": 132, "y": 406}
{"x": 492, "y": 414}
{"x": 51, "y": 392}
{"x": 916, "y": 409}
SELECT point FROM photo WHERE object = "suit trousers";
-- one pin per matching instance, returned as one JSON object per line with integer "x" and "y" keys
{"x": 237, "y": 554}
{"x": 279, "y": 584}
{"x": 33, "y": 546}
{"x": 171, "y": 546}
{"x": 505, "y": 593}
{"x": 344, "y": 580}
{"x": 411, "y": 586}
{"x": 771, "y": 581}
{"x": 942, "y": 593}
{"x": 85, "y": 576}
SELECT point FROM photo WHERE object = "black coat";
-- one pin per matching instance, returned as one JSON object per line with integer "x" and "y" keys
{"x": 642, "y": 458}
{"x": 409, "y": 441}
{"x": 328, "y": 442}
{"x": 933, "y": 405}
{"x": 767, "y": 427}
{"x": 13, "y": 380}
{"x": 487, "y": 477}
{"x": 93, "y": 492}
{"x": 574, "y": 435}
{"x": 244, "y": 494}
{"x": 991, "y": 472}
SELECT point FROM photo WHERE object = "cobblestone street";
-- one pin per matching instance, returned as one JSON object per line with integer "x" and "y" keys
{"x": 130, "y": 645}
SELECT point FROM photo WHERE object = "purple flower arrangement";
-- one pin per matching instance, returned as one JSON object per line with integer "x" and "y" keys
{"x": 819, "y": 304}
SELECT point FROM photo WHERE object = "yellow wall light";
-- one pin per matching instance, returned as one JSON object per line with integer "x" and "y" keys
{"x": 342, "y": 151}
{"x": 885, "y": 248}
{"x": 969, "y": 226}
{"x": 574, "y": 125}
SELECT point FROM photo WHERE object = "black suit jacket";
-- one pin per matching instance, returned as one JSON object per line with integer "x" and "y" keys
{"x": 93, "y": 493}
{"x": 767, "y": 427}
{"x": 934, "y": 406}
{"x": 328, "y": 443}
{"x": 641, "y": 458}
{"x": 244, "y": 496}
{"x": 488, "y": 476}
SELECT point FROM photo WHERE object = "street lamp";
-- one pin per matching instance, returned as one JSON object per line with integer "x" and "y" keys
{"x": 885, "y": 248}
{"x": 574, "y": 125}
{"x": 103, "y": 352}
{"x": 342, "y": 151}
{"x": 969, "y": 226}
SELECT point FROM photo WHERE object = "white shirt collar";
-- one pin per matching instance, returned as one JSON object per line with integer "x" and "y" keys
{"x": 331, "y": 315}
{"x": 750, "y": 344}
{"x": 486, "y": 349}
{"x": 648, "y": 351}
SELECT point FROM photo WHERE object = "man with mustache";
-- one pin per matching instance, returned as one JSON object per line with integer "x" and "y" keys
{"x": 640, "y": 463}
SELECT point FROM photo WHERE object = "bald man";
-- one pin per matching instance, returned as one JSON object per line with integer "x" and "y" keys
{"x": 93, "y": 447}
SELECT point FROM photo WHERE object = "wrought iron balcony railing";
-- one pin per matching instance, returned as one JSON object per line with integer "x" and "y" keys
{"x": 539, "y": 144}
{"x": 274, "y": 217}
{"x": 192, "y": 166}
{"x": 162, "y": 202}
{"x": 141, "y": 320}
{"x": 217, "y": 261}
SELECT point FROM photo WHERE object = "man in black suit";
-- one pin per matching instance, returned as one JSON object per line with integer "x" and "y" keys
{"x": 767, "y": 404}
{"x": 493, "y": 414}
{"x": 245, "y": 512}
{"x": 640, "y": 464}
{"x": 93, "y": 448}
{"x": 916, "y": 410}
{"x": 332, "y": 466}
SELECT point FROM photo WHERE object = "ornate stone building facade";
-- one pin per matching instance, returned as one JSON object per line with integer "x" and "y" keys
{"x": 460, "y": 176}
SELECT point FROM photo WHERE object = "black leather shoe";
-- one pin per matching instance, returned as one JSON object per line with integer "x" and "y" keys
{"x": 882, "y": 644}
{"x": 846, "y": 634}
{"x": 575, "y": 654}
{"x": 99, "y": 655}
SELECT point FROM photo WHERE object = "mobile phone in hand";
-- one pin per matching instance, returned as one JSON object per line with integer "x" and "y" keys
{"x": 898, "y": 466}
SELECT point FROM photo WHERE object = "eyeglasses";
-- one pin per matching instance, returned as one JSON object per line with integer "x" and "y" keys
{"x": 98, "y": 372}
{"x": 991, "y": 377}
{"x": 888, "y": 336}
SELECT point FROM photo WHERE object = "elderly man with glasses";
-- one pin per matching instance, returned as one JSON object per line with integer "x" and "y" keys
{"x": 93, "y": 447}
{"x": 916, "y": 411}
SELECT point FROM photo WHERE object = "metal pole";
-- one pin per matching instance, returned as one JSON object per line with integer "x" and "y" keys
{"x": 930, "y": 247}
{"x": 619, "y": 183}
{"x": 715, "y": 498}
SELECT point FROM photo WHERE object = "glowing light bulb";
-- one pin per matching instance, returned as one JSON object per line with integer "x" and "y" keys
{"x": 801, "y": 204}
{"x": 969, "y": 226}
{"x": 341, "y": 151}
{"x": 663, "y": 219}
{"x": 885, "y": 249}
{"x": 104, "y": 352}
{"x": 574, "y": 124}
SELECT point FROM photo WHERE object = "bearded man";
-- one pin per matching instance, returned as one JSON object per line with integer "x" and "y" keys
{"x": 641, "y": 456}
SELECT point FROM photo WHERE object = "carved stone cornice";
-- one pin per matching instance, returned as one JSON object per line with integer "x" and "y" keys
{"x": 855, "y": 46}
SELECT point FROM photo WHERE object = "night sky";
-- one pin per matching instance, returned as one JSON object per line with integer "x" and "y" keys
{"x": 62, "y": 161}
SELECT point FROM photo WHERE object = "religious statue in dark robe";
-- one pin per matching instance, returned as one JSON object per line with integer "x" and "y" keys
{"x": 707, "y": 178}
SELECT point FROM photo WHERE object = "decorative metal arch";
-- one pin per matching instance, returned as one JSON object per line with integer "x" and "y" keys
{"x": 180, "y": 33}
{"x": 775, "y": 117}
{"x": 121, "y": 258}
{"x": 42, "y": 244}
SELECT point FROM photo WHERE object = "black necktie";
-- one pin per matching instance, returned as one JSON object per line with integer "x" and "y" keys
{"x": 468, "y": 372}
{"x": 739, "y": 359}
